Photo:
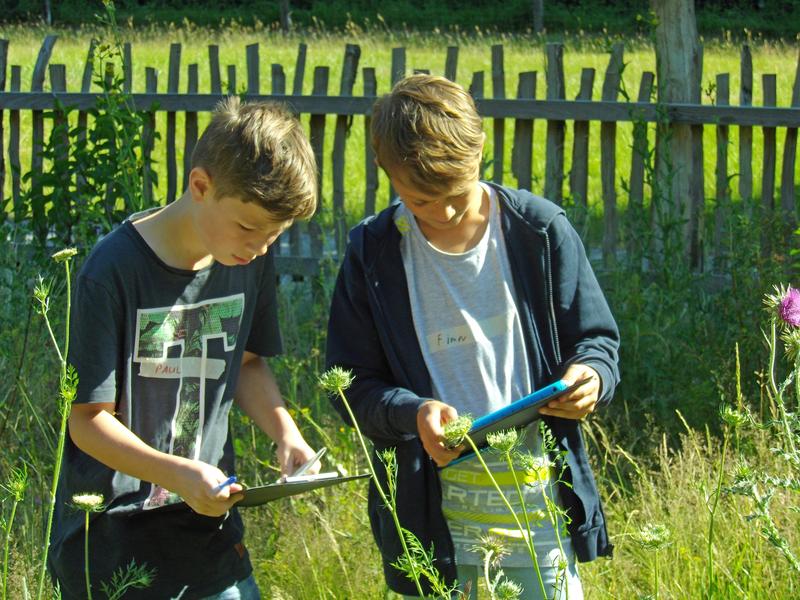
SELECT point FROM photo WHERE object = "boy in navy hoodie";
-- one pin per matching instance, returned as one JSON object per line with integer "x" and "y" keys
{"x": 462, "y": 298}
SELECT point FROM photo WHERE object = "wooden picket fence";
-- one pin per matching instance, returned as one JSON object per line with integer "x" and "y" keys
{"x": 305, "y": 246}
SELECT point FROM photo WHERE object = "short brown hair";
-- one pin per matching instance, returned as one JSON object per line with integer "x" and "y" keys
{"x": 430, "y": 127}
{"x": 257, "y": 152}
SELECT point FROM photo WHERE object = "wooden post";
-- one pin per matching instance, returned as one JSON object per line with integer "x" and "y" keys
{"x": 538, "y": 15}
{"x": 451, "y": 63}
{"x": 476, "y": 91}
{"x": 788, "y": 204}
{"x": 59, "y": 136}
{"x": 746, "y": 131}
{"x": 278, "y": 80}
{"x": 608, "y": 157}
{"x": 173, "y": 79}
{"x": 697, "y": 196}
{"x": 398, "y": 64}
{"x": 722, "y": 188}
{"x": 13, "y": 147}
{"x": 3, "y": 68}
{"x": 37, "y": 138}
{"x": 370, "y": 168}
{"x": 677, "y": 68}
{"x": 190, "y": 129}
{"x": 554, "y": 165}
{"x": 213, "y": 68}
{"x": 231, "y": 70}
{"x": 768, "y": 172}
{"x": 637, "y": 223}
{"x": 299, "y": 70}
{"x": 579, "y": 174}
{"x": 349, "y": 70}
{"x": 522, "y": 152}
{"x": 498, "y": 125}
{"x": 127, "y": 68}
{"x": 317, "y": 138}
{"x": 148, "y": 137}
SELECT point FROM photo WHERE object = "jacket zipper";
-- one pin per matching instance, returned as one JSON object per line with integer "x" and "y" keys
{"x": 549, "y": 267}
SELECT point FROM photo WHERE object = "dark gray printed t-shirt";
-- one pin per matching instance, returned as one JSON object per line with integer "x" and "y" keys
{"x": 165, "y": 345}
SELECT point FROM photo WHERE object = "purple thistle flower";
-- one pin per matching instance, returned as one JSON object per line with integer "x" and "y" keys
{"x": 789, "y": 308}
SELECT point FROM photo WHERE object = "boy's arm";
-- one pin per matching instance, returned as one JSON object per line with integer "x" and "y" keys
{"x": 257, "y": 394}
{"x": 95, "y": 430}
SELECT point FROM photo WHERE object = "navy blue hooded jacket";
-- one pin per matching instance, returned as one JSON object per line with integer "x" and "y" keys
{"x": 565, "y": 319}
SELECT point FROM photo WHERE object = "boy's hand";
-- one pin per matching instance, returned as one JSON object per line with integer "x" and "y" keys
{"x": 196, "y": 482}
{"x": 580, "y": 402}
{"x": 431, "y": 418}
{"x": 293, "y": 452}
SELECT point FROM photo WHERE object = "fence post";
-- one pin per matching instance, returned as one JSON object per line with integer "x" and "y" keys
{"x": 299, "y": 70}
{"x": 554, "y": 165}
{"x": 190, "y": 128}
{"x": 37, "y": 138}
{"x": 789, "y": 160}
{"x": 3, "y": 65}
{"x": 13, "y": 147}
{"x": 522, "y": 152}
{"x": 317, "y": 138}
{"x": 722, "y": 187}
{"x": 498, "y": 125}
{"x": 213, "y": 68}
{"x": 768, "y": 81}
{"x": 608, "y": 156}
{"x": 370, "y": 168}
{"x": 579, "y": 173}
{"x": 173, "y": 80}
{"x": 746, "y": 131}
{"x": 637, "y": 223}
{"x": 148, "y": 136}
{"x": 451, "y": 63}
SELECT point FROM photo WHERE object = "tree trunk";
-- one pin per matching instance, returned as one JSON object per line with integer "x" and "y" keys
{"x": 679, "y": 70}
{"x": 538, "y": 15}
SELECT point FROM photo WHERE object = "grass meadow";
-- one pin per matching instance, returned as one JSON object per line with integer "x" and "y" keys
{"x": 661, "y": 453}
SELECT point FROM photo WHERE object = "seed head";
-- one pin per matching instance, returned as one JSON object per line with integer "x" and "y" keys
{"x": 456, "y": 430}
{"x": 88, "y": 502}
{"x": 653, "y": 536}
{"x": 492, "y": 547}
{"x": 336, "y": 379}
{"x": 17, "y": 483}
{"x": 64, "y": 255}
{"x": 507, "y": 590}
{"x": 503, "y": 441}
{"x": 791, "y": 344}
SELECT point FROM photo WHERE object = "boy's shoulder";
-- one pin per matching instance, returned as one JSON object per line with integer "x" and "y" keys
{"x": 116, "y": 252}
{"x": 537, "y": 211}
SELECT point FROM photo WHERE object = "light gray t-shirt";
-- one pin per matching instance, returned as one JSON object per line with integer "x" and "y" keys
{"x": 468, "y": 327}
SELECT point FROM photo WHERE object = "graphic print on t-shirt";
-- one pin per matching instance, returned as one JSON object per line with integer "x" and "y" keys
{"x": 174, "y": 343}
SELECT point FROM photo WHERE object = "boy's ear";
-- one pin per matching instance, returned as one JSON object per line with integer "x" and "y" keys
{"x": 200, "y": 185}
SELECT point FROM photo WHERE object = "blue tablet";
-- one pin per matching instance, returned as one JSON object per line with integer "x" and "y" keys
{"x": 516, "y": 415}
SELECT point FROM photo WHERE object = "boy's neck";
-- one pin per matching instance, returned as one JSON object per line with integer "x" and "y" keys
{"x": 469, "y": 231}
{"x": 171, "y": 234}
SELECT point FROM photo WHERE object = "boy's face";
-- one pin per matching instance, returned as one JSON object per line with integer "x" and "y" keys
{"x": 441, "y": 211}
{"x": 236, "y": 232}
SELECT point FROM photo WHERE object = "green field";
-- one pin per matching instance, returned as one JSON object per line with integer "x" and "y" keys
{"x": 660, "y": 451}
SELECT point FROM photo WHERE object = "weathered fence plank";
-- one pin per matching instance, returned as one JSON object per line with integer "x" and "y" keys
{"x": 579, "y": 173}
{"x": 317, "y": 139}
{"x": 214, "y": 70}
{"x": 349, "y": 70}
{"x": 278, "y": 80}
{"x": 231, "y": 87}
{"x": 299, "y": 70}
{"x": 37, "y": 131}
{"x": 3, "y": 69}
{"x": 498, "y": 124}
{"x": 697, "y": 197}
{"x": 253, "y": 63}
{"x": 745, "y": 131}
{"x": 13, "y": 147}
{"x": 639, "y": 156}
{"x": 722, "y": 186}
{"x": 190, "y": 127}
{"x": 788, "y": 202}
{"x": 127, "y": 68}
{"x": 173, "y": 80}
{"x": 370, "y": 168}
{"x": 522, "y": 151}
{"x": 398, "y": 64}
{"x": 608, "y": 157}
{"x": 451, "y": 63}
{"x": 554, "y": 161}
{"x": 769, "y": 83}
{"x": 59, "y": 137}
{"x": 148, "y": 136}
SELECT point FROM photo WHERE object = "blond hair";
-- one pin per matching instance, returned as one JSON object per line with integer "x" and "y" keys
{"x": 428, "y": 126}
{"x": 257, "y": 152}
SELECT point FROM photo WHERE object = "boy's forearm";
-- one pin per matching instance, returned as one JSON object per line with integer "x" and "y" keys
{"x": 257, "y": 394}
{"x": 99, "y": 434}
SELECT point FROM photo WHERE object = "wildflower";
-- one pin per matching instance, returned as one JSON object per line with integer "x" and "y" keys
{"x": 653, "y": 536}
{"x": 88, "y": 502}
{"x": 492, "y": 548}
{"x": 64, "y": 255}
{"x": 503, "y": 441}
{"x": 336, "y": 379}
{"x": 17, "y": 483}
{"x": 790, "y": 307}
{"x": 732, "y": 417}
{"x": 456, "y": 430}
{"x": 507, "y": 590}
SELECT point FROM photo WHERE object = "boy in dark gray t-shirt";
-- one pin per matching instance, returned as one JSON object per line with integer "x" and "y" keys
{"x": 173, "y": 314}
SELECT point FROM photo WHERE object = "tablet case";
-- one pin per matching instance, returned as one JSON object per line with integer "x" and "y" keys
{"x": 516, "y": 415}
{"x": 255, "y": 496}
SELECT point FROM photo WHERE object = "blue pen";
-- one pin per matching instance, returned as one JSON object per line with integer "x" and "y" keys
{"x": 226, "y": 483}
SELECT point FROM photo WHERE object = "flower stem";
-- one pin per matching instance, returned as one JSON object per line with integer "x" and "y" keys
{"x": 7, "y": 546}
{"x": 526, "y": 532}
{"x": 86, "y": 557}
{"x": 717, "y": 494}
{"x": 390, "y": 507}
